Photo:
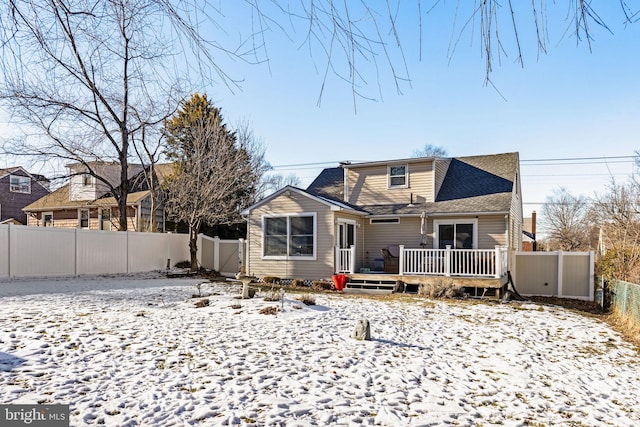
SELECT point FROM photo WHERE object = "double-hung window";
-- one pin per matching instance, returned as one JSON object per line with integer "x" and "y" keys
{"x": 289, "y": 236}
{"x": 398, "y": 176}
{"x": 20, "y": 184}
{"x": 84, "y": 218}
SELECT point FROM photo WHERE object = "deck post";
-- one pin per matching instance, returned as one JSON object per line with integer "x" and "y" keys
{"x": 498, "y": 263}
{"x": 401, "y": 260}
{"x": 336, "y": 264}
{"x": 352, "y": 259}
{"x": 447, "y": 261}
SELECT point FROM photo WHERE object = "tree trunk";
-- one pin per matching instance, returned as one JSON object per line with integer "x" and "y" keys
{"x": 193, "y": 247}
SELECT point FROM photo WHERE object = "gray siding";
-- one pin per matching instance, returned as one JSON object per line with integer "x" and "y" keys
{"x": 11, "y": 203}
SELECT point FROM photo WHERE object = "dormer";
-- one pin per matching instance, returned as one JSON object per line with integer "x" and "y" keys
{"x": 83, "y": 185}
{"x": 414, "y": 180}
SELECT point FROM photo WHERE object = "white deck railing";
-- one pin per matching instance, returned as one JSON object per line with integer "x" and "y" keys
{"x": 454, "y": 262}
{"x": 345, "y": 260}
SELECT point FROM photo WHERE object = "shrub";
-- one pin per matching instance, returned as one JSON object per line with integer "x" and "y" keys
{"x": 270, "y": 279}
{"x": 273, "y": 295}
{"x": 441, "y": 289}
{"x": 307, "y": 300}
{"x": 202, "y": 303}
{"x": 297, "y": 283}
{"x": 321, "y": 285}
{"x": 270, "y": 310}
{"x": 183, "y": 264}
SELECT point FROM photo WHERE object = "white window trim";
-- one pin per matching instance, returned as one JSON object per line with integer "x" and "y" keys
{"x": 17, "y": 191}
{"x": 438, "y": 222}
{"x": 350, "y": 222}
{"x": 406, "y": 176}
{"x": 43, "y": 215}
{"x": 101, "y": 218}
{"x": 88, "y": 219}
{"x": 314, "y": 257}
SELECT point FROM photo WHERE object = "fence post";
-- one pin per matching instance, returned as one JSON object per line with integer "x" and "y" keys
{"x": 447, "y": 261}
{"x": 591, "y": 276}
{"x": 127, "y": 252}
{"x": 216, "y": 253}
{"x": 401, "y": 260}
{"x": 560, "y": 258}
{"x": 241, "y": 264}
{"x": 8, "y": 249}
{"x": 75, "y": 251}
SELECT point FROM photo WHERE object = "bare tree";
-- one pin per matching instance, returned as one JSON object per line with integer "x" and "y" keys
{"x": 216, "y": 170}
{"x": 87, "y": 76}
{"x": 618, "y": 213}
{"x": 430, "y": 151}
{"x": 274, "y": 182}
{"x": 565, "y": 221}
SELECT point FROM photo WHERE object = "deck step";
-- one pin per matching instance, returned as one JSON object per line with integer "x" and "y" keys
{"x": 370, "y": 286}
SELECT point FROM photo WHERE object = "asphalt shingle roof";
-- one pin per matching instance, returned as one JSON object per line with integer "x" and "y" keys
{"x": 471, "y": 184}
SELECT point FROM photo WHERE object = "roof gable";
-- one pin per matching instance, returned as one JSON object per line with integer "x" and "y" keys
{"x": 329, "y": 183}
{"x": 328, "y": 201}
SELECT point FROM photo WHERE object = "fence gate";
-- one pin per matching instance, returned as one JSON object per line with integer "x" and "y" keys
{"x": 558, "y": 274}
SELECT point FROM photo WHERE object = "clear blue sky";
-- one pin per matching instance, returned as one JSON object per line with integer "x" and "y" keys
{"x": 568, "y": 103}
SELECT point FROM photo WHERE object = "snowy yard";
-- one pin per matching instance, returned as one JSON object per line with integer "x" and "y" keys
{"x": 136, "y": 351}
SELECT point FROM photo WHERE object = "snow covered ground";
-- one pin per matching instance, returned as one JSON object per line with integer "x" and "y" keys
{"x": 136, "y": 351}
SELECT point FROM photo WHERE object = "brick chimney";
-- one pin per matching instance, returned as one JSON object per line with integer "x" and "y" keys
{"x": 533, "y": 230}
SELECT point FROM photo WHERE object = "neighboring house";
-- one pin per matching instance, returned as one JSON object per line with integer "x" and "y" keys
{"x": 18, "y": 188}
{"x": 455, "y": 217}
{"x": 85, "y": 202}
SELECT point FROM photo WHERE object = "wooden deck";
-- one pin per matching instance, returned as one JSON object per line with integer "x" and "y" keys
{"x": 385, "y": 283}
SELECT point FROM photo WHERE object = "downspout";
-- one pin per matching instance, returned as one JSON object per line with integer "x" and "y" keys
{"x": 509, "y": 245}
{"x": 247, "y": 249}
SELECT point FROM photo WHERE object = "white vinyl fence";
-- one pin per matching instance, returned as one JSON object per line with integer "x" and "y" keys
{"x": 558, "y": 274}
{"x": 39, "y": 251}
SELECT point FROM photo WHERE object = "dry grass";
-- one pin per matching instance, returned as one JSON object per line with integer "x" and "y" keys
{"x": 441, "y": 289}
{"x": 626, "y": 326}
{"x": 202, "y": 303}
{"x": 270, "y": 310}
{"x": 307, "y": 299}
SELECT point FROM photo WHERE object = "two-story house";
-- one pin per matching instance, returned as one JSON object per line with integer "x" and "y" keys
{"x": 85, "y": 202}
{"x": 412, "y": 218}
{"x": 18, "y": 188}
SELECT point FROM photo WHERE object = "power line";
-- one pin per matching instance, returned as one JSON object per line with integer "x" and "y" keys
{"x": 583, "y": 160}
